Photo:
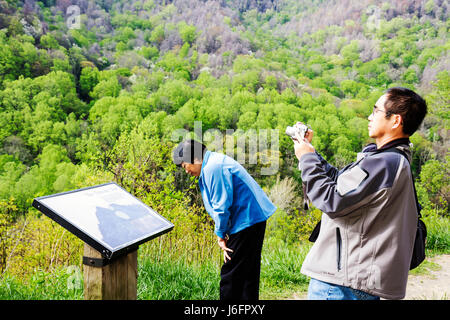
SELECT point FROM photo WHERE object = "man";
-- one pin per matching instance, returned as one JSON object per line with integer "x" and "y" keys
{"x": 239, "y": 208}
{"x": 369, "y": 218}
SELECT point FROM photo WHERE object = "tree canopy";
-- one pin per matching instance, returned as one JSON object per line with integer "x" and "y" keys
{"x": 72, "y": 98}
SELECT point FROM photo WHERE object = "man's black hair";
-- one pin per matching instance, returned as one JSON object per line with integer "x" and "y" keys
{"x": 409, "y": 105}
{"x": 187, "y": 151}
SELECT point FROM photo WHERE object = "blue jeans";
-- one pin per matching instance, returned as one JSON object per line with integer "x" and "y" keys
{"x": 319, "y": 290}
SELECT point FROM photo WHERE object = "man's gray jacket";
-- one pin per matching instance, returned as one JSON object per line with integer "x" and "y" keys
{"x": 369, "y": 221}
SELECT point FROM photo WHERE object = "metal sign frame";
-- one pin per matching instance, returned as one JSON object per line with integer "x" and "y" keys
{"x": 105, "y": 251}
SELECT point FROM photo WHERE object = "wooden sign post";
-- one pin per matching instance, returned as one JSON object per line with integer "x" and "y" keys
{"x": 113, "y": 224}
{"x": 115, "y": 281}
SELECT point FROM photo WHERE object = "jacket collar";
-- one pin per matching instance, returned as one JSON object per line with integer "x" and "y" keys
{"x": 394, "y": 143}
{"x": 403, "y": 144}
{"x": 205, "y": 161}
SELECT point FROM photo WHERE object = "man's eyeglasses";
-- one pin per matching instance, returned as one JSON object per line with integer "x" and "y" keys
{"x": 375, "y": 110}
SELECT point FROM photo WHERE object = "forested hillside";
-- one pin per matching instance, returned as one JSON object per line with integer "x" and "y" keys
{"x": 93, "y": 91}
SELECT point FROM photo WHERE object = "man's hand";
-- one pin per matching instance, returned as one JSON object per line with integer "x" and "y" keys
{"x": 303, "y": 146}
{"x": 223, "y": 245}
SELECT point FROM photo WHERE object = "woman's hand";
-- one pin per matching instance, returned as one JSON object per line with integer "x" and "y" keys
{"x": 223, "y": 245}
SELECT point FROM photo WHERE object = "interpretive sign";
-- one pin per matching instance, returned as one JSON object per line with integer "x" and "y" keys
{"x": 106, "y": 217}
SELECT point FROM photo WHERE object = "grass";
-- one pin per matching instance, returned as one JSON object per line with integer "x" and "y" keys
{"x": 176, "y": 280}
{"x": 158, "y": 280}
{"x": 438, "y": 233}
{"x": 280, "y": 269}
{"x": 171, "y": 277}
{"x": 425, "y": 268}
{"x": 438, "y": 241}
{"x": 174, "y": 275}
{"x": 55, "y": 285}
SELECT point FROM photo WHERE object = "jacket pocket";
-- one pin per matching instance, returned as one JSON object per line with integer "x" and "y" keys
{"x": 338, "y": 248}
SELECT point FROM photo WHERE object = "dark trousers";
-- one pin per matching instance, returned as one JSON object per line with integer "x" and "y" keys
{"x": 240, "y": 275}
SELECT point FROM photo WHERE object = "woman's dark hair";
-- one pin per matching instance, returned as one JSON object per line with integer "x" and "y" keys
{"x": 187, "y": 151}
{"x": 409, "y": 105}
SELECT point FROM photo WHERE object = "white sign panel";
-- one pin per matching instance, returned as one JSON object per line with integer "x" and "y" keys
{"x": 107, "y": 213}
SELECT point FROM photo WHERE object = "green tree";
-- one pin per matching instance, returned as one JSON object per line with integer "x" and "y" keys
{"x": 47, "y": 41}
{"x": 176, "y": 65}
{"x": 435, "y": 179}
{"x": 350, "y": 53}
{"x": 11, "y": 173}
{"x": 248, "y": 80}
{"x": 89, "y": 78}
{"x": 157, "y": 35}
{"x": 350, "y": 88}
{"x": 39, "y": 180}
{"x": 172, "y": 95}
{"x": 106, "y": 88}
{"x": 149, "y": 52}
{"x": 8, "y": 211}
{"x": 438, "y": 99}
{"x": 187, "y": 32}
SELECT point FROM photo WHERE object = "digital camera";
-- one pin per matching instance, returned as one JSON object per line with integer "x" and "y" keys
{"x": 298, "y": 129}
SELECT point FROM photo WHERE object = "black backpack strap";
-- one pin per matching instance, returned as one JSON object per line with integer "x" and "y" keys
{"x": 395, "y": 150}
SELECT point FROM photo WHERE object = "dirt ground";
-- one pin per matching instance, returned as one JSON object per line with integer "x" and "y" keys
{"x": 434, "y": 285}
